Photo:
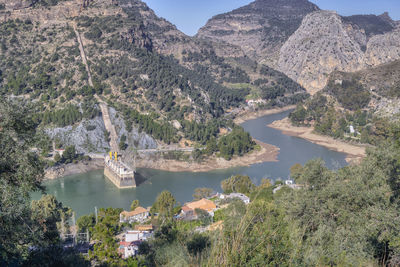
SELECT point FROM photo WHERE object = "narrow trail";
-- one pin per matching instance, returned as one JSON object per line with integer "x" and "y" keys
{"x": 103, "y": 106}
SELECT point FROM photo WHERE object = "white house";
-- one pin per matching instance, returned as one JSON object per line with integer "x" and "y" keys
{"x": 132, "y": 239}
{"x": 136, "y": 235}
{"x": 138, "y": 215}
{"x": 128, "y": 249}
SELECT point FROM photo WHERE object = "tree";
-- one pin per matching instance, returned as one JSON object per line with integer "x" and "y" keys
{"x": 57, "y": 157}
{"x": 164, "y": 204}
{"x": 238, "y": 184}
{"x": 134, "y": 204}
{"x": 295, "y": 171}
{"x": 86, "y": 222}
{"x": 122, "y": 145}
{"x": 202, "y": 192}
{"x": 69, "y": 154}
{"x": 51, "y": 217}
{"x": 24, "y": 226}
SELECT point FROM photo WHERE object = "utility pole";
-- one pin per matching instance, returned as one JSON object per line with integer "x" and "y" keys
{"x": 95, "y": 212}
{"x": 74, "y": 228}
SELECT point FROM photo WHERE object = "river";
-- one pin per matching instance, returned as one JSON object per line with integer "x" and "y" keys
{"x": 83, "y": 192}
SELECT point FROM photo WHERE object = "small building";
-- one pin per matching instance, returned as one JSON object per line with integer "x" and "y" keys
{"x": 289, "y": 182}
{"x": 138, "y": 215}
{"x": 189, "y": 209}
{"x": 129, "y": 246}
{"x": 135, "y": 235}
{"x": 240, "y": 196}
{"x": 352, "y": 130}
{"x": 128, "y": 249}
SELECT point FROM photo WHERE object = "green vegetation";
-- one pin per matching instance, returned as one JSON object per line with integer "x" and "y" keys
{"x": 203, "y": 192}
{"x": 238, "y": 184}
{"x": 164, "y": 205}
{"x": 238, "y": 142}
{"x": 350, "y": 94}
{"x": 147, "y": 123}
{"x": 347, "y": 217}
{"x": 24, "y": 225}
{"x": 322, "y": 115}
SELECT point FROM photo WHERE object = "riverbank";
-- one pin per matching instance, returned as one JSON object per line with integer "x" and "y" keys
{"x": 266, "y": 153}
{"x": 73, "y": 168}
{"x": 251, "y": 115}
{"x": 354, "y": 152}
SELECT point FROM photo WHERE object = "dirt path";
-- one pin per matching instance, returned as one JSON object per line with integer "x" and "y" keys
{"x": 103, "y": 106}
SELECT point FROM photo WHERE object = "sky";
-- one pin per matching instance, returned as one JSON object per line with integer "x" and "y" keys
{"x": 190, "y": 15}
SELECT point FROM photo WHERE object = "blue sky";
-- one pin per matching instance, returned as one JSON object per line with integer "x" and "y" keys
{"x": 190, "y": 15}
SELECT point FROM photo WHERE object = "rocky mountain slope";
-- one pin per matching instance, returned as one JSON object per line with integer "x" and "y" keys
{"x": 154, "y": 76}
{"x": 260, "y": 28}
{"x": 326, "y": 42}
{"x": 305, "y": 43}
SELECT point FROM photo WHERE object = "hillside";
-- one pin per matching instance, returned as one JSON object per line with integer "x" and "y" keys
{"x": 161, "y": 86}
{"x": 305, "y": 43}
{"x": 360, "y": 106}
{"x": 260, "y": 28}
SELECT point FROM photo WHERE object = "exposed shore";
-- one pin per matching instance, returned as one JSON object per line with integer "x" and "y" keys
{"x": 267, "y": 153}
{"x": 72, "y": 168}
{"x": 250, "y": 115}
{"x": 354, "y": 152}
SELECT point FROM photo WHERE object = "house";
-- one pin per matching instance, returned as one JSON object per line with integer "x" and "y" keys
{"x": 188, "y": 210}
{"x": 138, "y": 215}
{"x": 240, "y": 196}
{"x": 128, "y": 249}
{"x": 129, "y": 246}
{"x": 135, "y": 235}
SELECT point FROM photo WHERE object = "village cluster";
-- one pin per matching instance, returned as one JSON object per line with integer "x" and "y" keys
{"x": 131, "y": 239}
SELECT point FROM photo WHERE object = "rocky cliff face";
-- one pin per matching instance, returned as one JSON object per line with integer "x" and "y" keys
{"x": 321, "y": 45}
{"x": 305, "y": 43}
{"x": 326, "y": 42}
{"x": 260, "y": 28}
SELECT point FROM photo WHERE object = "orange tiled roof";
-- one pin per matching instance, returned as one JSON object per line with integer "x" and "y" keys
{"x": 144, "y": 227}
{"x": 138, "y": 210}
{"x": 203, "y": 204}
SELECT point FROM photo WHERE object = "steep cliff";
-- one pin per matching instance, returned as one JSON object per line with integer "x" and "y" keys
{"x": 260, "y": 28}
{"x": 326, "y": 42}
{"x": 305, "y": 43}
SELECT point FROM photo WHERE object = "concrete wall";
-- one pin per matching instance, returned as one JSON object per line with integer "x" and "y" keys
{"x": 117, "y": 181}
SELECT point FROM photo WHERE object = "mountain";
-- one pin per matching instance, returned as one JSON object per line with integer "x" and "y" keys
{"x": 160, "y": 81}
{"x": 260, "y": 28}
{"x": 326, "y": 42}
{"x": 305, "y": 43}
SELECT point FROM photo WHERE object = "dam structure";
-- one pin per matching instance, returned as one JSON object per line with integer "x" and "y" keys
{"x": 119, "y": 173}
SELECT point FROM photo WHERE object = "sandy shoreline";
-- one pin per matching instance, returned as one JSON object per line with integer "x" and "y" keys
{"x": 250, "y": 115}
{"x": 72, "y": 168}
{"x": 354, "y": 152}
{"x": 267, "y": 153}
